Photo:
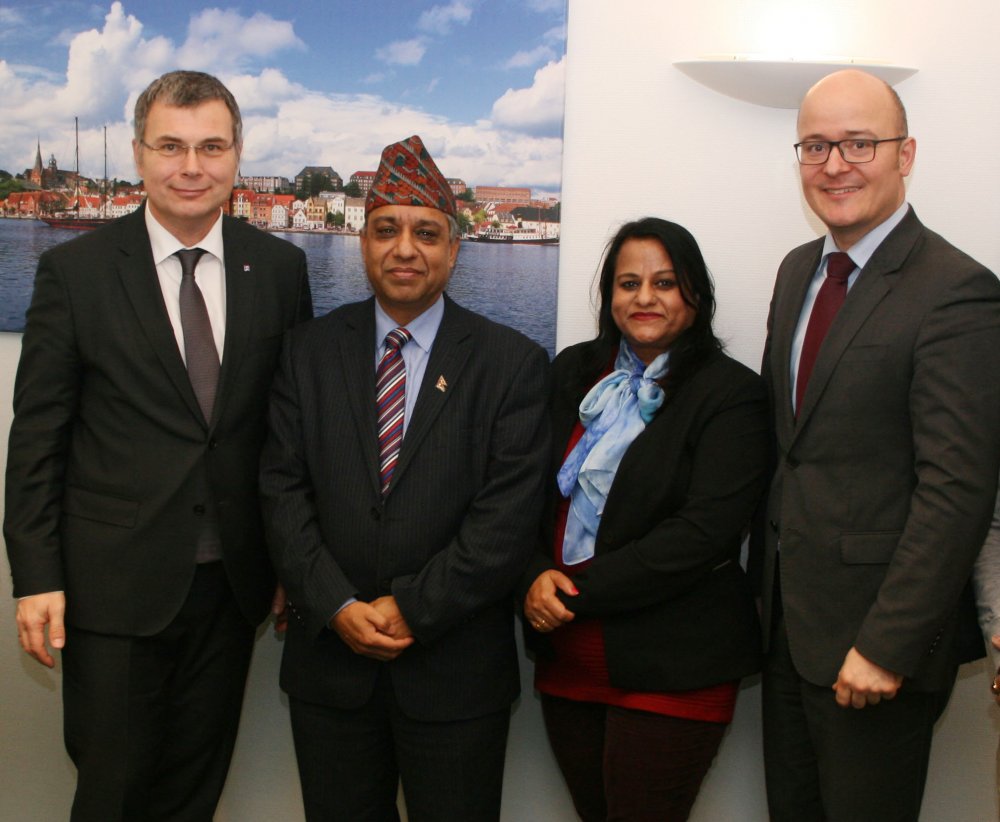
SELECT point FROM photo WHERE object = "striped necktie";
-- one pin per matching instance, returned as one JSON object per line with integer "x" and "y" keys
{"x": 390, "y": 402}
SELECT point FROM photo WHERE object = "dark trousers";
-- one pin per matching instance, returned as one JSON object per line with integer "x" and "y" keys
{"x": 629, "y": 766}
{"x": 824, "y": 763}
{"x": 351, "y": 762}
{"x": 150, "y": 722}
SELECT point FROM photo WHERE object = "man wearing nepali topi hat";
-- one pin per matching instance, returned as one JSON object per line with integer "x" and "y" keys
{"x": 401, "y": 487}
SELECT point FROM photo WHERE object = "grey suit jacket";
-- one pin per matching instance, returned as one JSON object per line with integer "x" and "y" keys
{"x": 986, "y": 583}
{"x": 111, "y": 466}
{"x": 884, "y": 483}
{"x": 451, "y": 537}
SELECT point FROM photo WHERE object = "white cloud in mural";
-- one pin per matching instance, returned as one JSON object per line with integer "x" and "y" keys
{"x": 10, "y": 17}
{"x": 537, "y": 109}
{"x": 439, "y": 19}
{"x": 402, "y": 52}
{"x": 523, "y": 59}
{"x": 287, "y": 125}
{"x": 220, "y": 40}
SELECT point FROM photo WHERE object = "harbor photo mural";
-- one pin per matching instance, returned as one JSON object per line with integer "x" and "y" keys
{"x": 323, "y": 87}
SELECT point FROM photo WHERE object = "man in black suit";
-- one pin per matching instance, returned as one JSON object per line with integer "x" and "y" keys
{"x": 400, "y": 560}
{"x": 883, "y": 360}
{"x": 132, "y": 519}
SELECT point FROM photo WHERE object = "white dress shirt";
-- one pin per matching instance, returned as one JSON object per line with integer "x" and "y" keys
{"x": 210, "y": 275}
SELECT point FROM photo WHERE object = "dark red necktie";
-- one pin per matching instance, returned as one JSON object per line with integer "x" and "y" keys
{"x": 831, "y": 297}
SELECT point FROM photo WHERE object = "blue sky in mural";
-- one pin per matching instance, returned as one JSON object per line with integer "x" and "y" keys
{"x": 319, "y": 83}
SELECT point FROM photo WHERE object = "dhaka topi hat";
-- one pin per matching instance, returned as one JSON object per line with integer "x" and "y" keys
{"x": 407, "y": 175}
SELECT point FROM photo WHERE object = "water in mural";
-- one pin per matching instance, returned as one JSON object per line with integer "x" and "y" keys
{"x": 514, "y": 285}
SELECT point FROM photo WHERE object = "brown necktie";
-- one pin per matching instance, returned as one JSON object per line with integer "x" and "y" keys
{"x": 831, "y": 297}
{"x": 199, "y": 344}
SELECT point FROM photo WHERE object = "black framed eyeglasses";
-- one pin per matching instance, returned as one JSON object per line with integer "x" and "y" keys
{"x": 855, "y": 150}
{"x": 174, "y": 151}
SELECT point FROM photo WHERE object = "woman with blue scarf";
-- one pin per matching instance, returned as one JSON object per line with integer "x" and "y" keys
{"x": 639, "y": 613}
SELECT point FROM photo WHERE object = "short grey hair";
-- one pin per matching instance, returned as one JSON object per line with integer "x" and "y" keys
{"x": 186, "y": 89}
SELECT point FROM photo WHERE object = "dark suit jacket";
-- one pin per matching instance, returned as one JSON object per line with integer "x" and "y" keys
{"x": 454, "y": 532}
{"x": 677, "y": 610}
{"x": 884, "y": 484}
{"x": 111, "y": 467}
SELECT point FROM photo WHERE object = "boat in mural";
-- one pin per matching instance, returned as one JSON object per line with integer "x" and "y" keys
{"x": 68, "y": 219}
{"x": 99, "y": 214}
{"x": 514, "y": 235}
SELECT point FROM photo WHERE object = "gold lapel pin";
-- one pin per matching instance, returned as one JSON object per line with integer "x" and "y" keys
{"x": 442, "y": 384}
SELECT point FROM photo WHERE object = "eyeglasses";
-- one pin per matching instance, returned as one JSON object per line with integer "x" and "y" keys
{"x": 817, "y": 152}
{"x": 174, "y": 151}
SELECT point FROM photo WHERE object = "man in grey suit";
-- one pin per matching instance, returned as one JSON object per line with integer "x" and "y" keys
{"x": 402, "y": 485}
{"x": 132, "y": 518}
{"x": 883, "y": 360}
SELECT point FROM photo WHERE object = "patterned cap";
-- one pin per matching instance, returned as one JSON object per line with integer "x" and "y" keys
{"x": 408, "y": 176}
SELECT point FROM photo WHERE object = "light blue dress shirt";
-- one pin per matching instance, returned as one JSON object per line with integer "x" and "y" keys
{"x": 416, "y": 352}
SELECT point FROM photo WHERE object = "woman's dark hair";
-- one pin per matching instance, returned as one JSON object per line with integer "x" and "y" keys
{"x": 696, "y": 343}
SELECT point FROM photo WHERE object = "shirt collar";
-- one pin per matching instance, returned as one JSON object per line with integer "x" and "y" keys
{"x": 164, "y": 244}
{"x": 861, "y": 252}
{"x": 424, "y": 328}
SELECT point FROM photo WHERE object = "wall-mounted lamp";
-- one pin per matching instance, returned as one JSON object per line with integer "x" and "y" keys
{"x": 780, "y": 83}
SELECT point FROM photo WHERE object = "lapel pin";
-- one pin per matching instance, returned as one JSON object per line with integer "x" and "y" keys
{"x": 442, "y": 384}
{"x": 246, "y": 267}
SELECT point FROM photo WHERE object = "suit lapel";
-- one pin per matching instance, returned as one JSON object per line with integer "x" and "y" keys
{"x": 787, "y": 308}
{"x": 241, "y": 292}
{"x": 356, "y": 347}
{"x": 452, "y": 347}
{"x": 874, "y": 282}
{"x": 137, "y": 272}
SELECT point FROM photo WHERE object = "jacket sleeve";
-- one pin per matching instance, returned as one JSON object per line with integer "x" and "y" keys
{"x": 301, "y": 558}
{"x": 986, "y": 581}
{"x": 46, "y": 396}
{"x": 954, "y": 402}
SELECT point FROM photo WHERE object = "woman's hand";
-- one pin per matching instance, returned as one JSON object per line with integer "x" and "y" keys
{"x": 542, "y": 608}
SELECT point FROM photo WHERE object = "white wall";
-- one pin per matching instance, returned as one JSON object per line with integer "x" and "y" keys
{"x": 642, "y": 138}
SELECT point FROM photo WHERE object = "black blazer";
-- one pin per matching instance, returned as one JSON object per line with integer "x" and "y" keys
{"x": 111, "y": 466}
{"x": 885, "y": 481}
{"x": 665, "y": 580}
{"x": 454, "y": 532}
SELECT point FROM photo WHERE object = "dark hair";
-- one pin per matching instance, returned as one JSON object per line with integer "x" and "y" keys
{"x": 694, "y": 344}
{"x": 186, "y": 89}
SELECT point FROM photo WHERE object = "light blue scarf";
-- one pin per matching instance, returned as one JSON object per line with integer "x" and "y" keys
{"x": 614, "y": 412}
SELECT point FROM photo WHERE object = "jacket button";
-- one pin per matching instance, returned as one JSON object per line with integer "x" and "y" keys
{"x": 792, "y": 463}
{"x": 376, "y": 513}
{"x": 199, "y": 510}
